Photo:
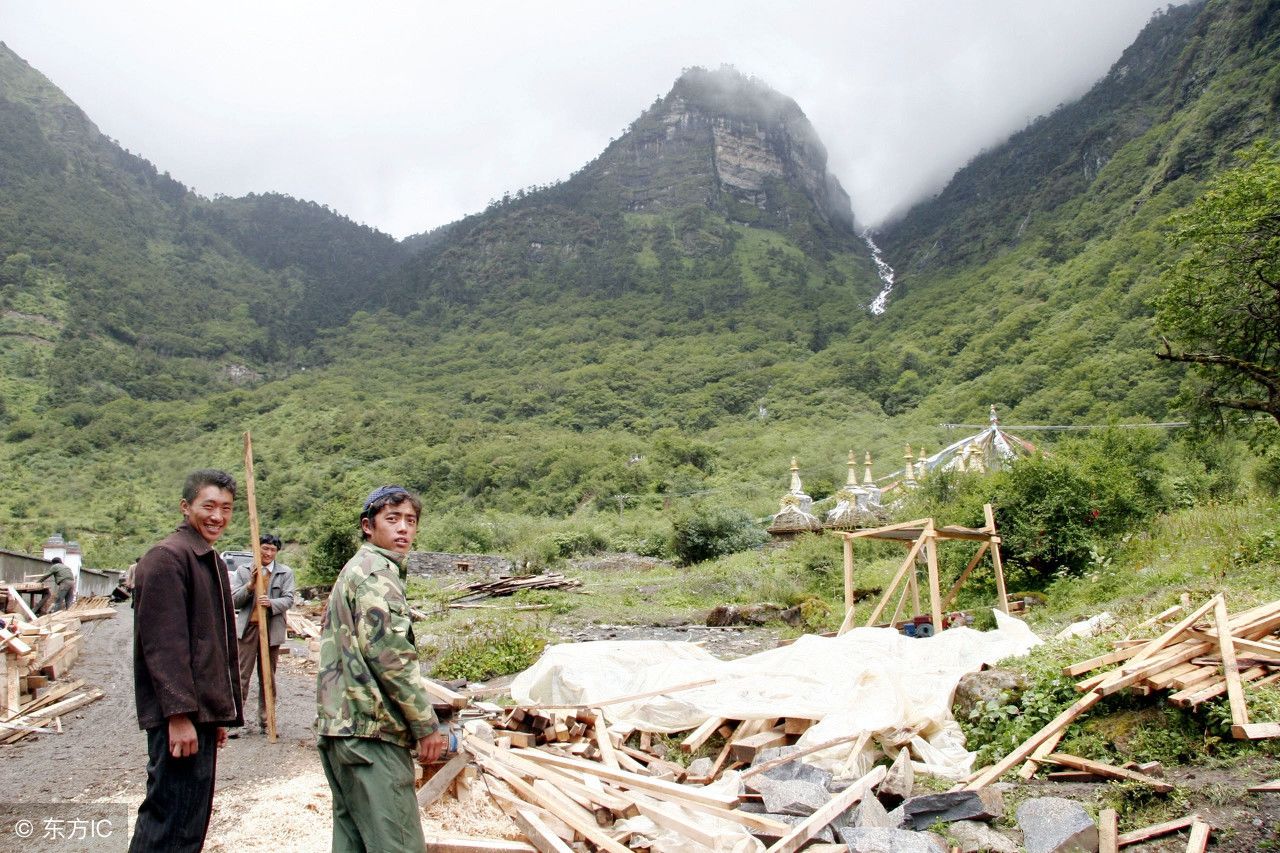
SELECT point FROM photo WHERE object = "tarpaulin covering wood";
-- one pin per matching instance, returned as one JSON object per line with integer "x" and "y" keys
{"x": 868, "y": 680}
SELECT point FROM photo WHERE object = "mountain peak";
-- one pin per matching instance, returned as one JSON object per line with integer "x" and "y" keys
{"x": 727, "y": 141}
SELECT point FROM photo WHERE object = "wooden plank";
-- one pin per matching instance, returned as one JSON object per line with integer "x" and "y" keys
{"x": 995, "y": 771}
{"x": 701, "y": 735}
{"x": 1101, "y": 660}
{"x": 456, "y": 844}
{"x": 1108, "y": 831}
{"x": 1256, "y": 731}
{"x": 1199, "y": 839}
{"x": 566, "y": 782}
{"x": 1002, "y": 595}
{"x": 1033, "y": 761}
{"x": 848, "y": 574}
{"x": 1230, "y": 667}
{"x": 1159, "y": 617}
{"x": 576, "y": 817}
{"x": 916, "y": 526}
{"x": 444, "y": 695}
{"x": 13, "y": 642}
{"x": 604, "y": 742}
{"x": 861, "y": 738}
{"x": 10, "y": 691}
{"x": 1154, "y": 831}
{"x": 439, "y": 783}
{"x": 23, "y": 608}
{"x": 669, "y": 818}
{"x": 538, "y": 833}
{"x": 836, "y": 806}
{"x": 1108, "y": 770}
{"x": 935, "y": 588}
{"x": 745, "y": 749}
{"x": 1267, "y": 786}
{"x": 631, "y": 780}
{"x": 1204, "y": 691}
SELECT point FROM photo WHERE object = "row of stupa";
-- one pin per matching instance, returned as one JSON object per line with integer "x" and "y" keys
{"x": 860, "y": 504}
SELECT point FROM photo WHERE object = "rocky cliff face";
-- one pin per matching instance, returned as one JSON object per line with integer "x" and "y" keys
{"x": 728, "y": 142}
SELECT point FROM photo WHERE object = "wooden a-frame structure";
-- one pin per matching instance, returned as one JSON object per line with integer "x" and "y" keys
{"x": 923, "y": 535}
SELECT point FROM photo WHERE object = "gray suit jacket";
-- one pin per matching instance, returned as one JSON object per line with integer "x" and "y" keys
{"x": 282, "y": 590}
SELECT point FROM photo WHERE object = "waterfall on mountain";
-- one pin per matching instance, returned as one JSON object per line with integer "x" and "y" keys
{"x": 883, "y": 270}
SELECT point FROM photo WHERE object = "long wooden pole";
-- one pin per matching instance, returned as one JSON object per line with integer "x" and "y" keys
{"x": 260, "y": 589}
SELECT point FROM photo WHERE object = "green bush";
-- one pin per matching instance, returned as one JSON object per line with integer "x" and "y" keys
{"x": 492, "y": 647}
{"x": 704, "y": 533}
{"x": 335, "y": 537}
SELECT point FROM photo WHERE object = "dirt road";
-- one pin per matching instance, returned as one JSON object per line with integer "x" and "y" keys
{"x": 102, "y": 756}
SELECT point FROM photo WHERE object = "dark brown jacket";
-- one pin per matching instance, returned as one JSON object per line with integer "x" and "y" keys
{"x": 184, "y": 636}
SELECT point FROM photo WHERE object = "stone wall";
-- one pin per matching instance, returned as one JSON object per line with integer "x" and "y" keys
{"x": 430, "y": 563}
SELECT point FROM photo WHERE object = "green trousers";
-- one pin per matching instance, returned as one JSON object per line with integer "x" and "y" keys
{"x": 374, "y": 806}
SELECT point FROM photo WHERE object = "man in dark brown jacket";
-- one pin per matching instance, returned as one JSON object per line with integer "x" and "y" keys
{"x": 185, "y": 670}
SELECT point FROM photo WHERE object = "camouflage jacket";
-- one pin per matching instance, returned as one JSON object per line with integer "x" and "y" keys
{"x": 370, "y": 684}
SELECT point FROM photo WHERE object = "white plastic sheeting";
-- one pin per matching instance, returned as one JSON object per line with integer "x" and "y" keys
{"x": 868, "y": 680}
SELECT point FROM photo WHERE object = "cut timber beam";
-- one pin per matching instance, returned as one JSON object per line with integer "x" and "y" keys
{"x": 538, "y": 833}
{"x": 701, "y": 735}
{"x": 1108, "y": 770}
{"x": 454, "y": 844}
{"x": 1155, "y": 831}
{"x": 746, "y": 748}
{"x": 1108, "y": 832}
{"x": 439, "y": 783}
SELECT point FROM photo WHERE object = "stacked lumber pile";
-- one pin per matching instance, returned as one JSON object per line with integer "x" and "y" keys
{"x": 511, "y": 584}
{"x": 37, "y": 653}
{"x": 1208, "y": 653}
{"x": 301, "y": 626}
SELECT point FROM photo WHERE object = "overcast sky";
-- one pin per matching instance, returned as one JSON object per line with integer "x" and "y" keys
{"x": 409, "y": 115}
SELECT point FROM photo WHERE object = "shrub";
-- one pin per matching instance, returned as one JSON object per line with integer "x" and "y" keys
{"x": 704, "y": 533}
{"x": 491, "y": 648}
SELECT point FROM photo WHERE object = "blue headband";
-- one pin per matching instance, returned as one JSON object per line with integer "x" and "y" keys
{"x": 380, "y": 493}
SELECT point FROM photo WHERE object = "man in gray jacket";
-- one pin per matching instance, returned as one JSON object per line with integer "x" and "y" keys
{"x": 279, "y": 597}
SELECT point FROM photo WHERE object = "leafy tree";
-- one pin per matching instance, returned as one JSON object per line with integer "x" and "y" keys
{"x": 334, "y": 539}
{"x": 1221, "y": 307}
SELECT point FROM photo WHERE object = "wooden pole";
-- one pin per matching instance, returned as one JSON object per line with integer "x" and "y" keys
{"x": 935, "y": 593}
{"x": 848, "y": 574}
{"x": 260, "y": 589}
{"x": 1003, "y": 596}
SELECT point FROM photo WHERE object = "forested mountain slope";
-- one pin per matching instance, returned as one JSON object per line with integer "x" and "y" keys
{"x": 669, "y": 324}
{"x": 118, "y": 281}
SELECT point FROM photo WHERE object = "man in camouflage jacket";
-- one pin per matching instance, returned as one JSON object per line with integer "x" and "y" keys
{"x": 373, "y": 710}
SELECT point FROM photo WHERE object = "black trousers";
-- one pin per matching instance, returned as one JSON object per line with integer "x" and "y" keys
{"x": 174, "y": 817}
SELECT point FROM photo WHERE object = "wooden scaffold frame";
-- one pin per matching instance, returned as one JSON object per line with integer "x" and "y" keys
{"x": 922, "y": 535}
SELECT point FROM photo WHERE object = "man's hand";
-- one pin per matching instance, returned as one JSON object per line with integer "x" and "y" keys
{"x": 264, "y": 601}
{"x": 222, "y": 736}
{"x": 431, "y": 747}
{"x": 182, "y": 736}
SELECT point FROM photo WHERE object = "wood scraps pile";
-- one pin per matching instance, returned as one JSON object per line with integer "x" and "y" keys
{"x": 509, "y": 585}
{"x": 569, "y": 781}
{"x": 37, "y": 653}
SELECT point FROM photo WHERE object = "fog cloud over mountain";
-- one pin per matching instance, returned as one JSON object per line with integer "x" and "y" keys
{"x": 408, "y": 116}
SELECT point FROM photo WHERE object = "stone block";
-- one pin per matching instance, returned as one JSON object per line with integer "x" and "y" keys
{"x": 923, "y": 811}
{"x": 898, "y": 782}
{"x": 973, "y": 836}
{"x": 867, "y": 840}
{"x": 1056, "y": 825}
